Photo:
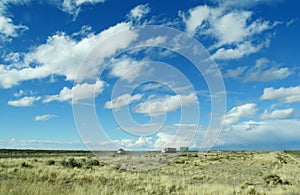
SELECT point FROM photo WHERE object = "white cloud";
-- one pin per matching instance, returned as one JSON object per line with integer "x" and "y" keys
{"x": 268, "y": 134}
{"x": 168, "y": 136}
{"x": 244, "y": 3}
{"x": 278, "y": 114}
{"x": 80, "y": 2}
{"x": 44, "y": 117}
{"x": 196, "y": 18}
{"x": 185, "y": 125}
{"x": 235, "y": 73}
{"x": 163, "y": 105}
{"x": 236, "y": 113}
{"x": 23, "y": 102}
{"x": 8, "y": 29}
{"x": 231, "y": 27}
{"x": 235, "y": 29}
{"x": 20, "y": 93}
{"x": 141, "y": 143}
{"x": 144, "y": 142}
{"x": 84, "y": 31}
{"x": 138, "y": 12}
{"x": 226, "y": 26}
{"x": 12, "y": 57}
{"x": 151, "y": 86}
{"x": 121, "y": 101}
{"x": 292, "y": 21}
{"x": 239, "y": 51}
{"x": 62, "y": 55}
{"x": 154, "y": 41}
{"x": 262, "y": 71}
{"x": 168, "y": 140}
{"x": 179, "y": 135}
{"x": 287, "y": 95}
{"x": 127, "y": 68}
{"x": 73, "y": 6}
{"x": 77, "y": 92}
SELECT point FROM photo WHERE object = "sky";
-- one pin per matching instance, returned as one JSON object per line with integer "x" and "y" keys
{"x": 143, "y": 75}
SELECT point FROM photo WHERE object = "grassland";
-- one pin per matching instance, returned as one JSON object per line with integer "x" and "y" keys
{"x": 215, "y": 172}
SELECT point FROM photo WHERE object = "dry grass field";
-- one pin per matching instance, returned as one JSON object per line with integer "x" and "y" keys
{"x": 214, "y": 172}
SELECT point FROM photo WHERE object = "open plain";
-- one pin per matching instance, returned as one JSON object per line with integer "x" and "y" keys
{"x": 214, "y": 172}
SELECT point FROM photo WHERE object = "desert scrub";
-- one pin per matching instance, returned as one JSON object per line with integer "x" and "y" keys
{"x": 274, "y": 180}
{"x": 50, "y": 162}
{"x": 26, "y": 165}
{"x": 71, "y": 163}
{"x": 233, "y": 176}
{"x": 93, "y": 162}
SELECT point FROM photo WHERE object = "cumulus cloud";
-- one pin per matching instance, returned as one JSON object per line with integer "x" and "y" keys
{"x": 268, "y": 134}
{"x": 226, "y": 26}
{"x": 141, "y": 143}
{"x": 138, "y": 12}
{"x": 121, "y": 101}
{"x": 238, "y": 112}
{"x": 127, "y": 68}
{"x": 278, "y": 114}
{"x": 62, "y": 55}
{"x": 286, "y": 95}
{"x": 77, "y": 92}
{"x": 168, "y": 136}
{"x": 233, "y": 30}
{"x": 44, "y": 117}
{"x": 195, "y": 18}
{"x": 262, "y": 71}
{"x": 24, "y": 102}
{"x": 161, "y": 106}
{"x": 73, "y": 6}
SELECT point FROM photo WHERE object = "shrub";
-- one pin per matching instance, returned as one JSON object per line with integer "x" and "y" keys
{"x": 93, "y": 162}
{"x": 83, "y": 160}
{"x": 275, "y": 180}
{"x": 193, "y": 155}
{"x": 50, "y": 162}
{"x": 26, "y": 165}
{"x": 71, "y": 163}
{"x": 181, "y": 161}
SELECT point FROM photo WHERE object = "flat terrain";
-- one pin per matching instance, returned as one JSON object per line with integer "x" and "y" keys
{"x": 214, "y": 172}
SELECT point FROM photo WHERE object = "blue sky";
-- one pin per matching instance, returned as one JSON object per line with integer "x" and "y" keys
{"x": 103, "y": 74}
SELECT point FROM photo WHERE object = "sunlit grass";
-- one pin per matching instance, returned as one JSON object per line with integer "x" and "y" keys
{"x": 189, "y": 173}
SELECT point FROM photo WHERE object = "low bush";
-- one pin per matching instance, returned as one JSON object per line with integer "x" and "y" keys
{"x": 26, "y": 165}
{"x": 50, "y": 162}
{"x": 93, "y": 162}
{"x": 275, "y": 180}
{"x": 71, "y": 163}
{"x": 180, "y": 161}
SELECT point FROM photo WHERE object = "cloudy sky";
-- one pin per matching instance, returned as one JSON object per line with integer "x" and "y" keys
{"x": 103, "y": 74}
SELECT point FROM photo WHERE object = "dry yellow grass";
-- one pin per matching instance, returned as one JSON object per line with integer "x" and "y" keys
{"x": 189, "y": 173}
